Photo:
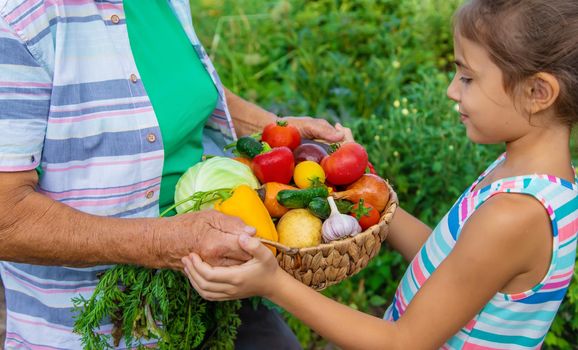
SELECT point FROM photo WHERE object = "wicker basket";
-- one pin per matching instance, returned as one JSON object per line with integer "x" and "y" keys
{"x": 329, "y": 263}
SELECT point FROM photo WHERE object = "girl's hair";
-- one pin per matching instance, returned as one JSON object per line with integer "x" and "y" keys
{"x": 524, "y": 37}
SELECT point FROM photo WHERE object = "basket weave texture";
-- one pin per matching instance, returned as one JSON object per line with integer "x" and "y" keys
{"x": 329, "y": 263}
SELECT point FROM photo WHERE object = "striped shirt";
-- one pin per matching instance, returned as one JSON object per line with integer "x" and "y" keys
{"x": 507, "y": 321}
{"x": 72, "y": 104}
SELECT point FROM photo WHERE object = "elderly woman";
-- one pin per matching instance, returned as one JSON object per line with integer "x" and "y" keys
{"x": 103, "y": 105}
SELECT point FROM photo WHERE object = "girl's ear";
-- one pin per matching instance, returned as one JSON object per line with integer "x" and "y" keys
{"x": 543, "y": 90}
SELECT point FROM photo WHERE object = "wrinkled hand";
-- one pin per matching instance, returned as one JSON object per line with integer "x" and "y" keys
{"x": 320, "y": 129}
{"x": 208, "y": 233}
{"x": 255, "y": 277}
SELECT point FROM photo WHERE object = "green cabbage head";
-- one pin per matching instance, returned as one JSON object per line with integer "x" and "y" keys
{"x": 211, "y": 174}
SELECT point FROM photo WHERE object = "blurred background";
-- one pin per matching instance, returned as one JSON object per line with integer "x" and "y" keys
{"x": 380, "y": 67}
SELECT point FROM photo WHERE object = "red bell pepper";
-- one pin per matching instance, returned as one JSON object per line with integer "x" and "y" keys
{"x": 276, "y": 165}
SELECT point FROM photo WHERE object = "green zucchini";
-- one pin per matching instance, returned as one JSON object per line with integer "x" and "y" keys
{"x": 300, "y": 198}
{"x": 320, "y": 207}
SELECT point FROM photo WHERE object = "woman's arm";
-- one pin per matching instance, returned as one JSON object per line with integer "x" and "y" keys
{"x": 38, "y": 230}
{"x": 499, "y": 243}
{"x": 249, "y": 118}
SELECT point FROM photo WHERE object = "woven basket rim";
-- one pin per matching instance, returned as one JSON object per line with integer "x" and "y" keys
{"x": 385, "y": 219}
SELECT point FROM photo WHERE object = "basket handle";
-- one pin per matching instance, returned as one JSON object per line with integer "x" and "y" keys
{"x": 285, "y": 249}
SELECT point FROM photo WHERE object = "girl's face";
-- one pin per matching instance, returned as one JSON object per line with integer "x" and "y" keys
{"x": 487, "y": 111}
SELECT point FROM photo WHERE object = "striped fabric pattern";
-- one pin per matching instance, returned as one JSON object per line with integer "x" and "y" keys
{"x": 72, "y": 103}
{"x": 508, "y": 321}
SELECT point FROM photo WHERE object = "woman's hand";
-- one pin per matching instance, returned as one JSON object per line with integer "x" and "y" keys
{"x": 320, "y": 129}
{"x": 255, "y": 277}
{"x": 209, "y": 233}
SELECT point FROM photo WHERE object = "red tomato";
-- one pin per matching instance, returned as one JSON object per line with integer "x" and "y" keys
{"x": 281, "y": 134}
{"x": 346, "y": 164}
{"x": 366, "y": 214}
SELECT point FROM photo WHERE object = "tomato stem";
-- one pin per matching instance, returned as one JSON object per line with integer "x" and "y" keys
{"x": 333, "y": 147}
{"x": 361, "y": 210}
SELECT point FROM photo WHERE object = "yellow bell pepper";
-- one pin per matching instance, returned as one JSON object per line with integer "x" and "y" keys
{"x": 246, "y": 205}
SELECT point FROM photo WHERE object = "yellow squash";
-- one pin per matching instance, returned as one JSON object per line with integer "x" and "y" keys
{"x": 246, "y": 205}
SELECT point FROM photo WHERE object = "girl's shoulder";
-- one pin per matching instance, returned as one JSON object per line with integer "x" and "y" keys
{"x": 523, "y": 204}
{"x": 525, "y": 214}
{"x": 515, "y": 227}
{"x": 514, "y": 211}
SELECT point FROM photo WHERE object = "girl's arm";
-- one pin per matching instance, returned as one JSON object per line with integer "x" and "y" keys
{"x": 503, "y": 247}
{"x": 407, "y": 234}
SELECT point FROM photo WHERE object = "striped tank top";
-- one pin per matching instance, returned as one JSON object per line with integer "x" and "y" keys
{"x": 507, "y": 321}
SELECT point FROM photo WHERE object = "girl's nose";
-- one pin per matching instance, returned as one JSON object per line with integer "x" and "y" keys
{"x": 453, "y": 90}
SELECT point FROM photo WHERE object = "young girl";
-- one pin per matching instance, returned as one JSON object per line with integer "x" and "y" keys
{"x": 494, "y": 271}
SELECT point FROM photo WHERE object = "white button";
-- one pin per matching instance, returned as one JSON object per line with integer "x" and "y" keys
{"x": 150, "y": 194}
{"x": 133, "y": 78}
{"x": 151, "y": 137}
{"x": 114, "y": 19}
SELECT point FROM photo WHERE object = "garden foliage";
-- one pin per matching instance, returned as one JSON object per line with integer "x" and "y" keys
{"x": 380, "y": 67}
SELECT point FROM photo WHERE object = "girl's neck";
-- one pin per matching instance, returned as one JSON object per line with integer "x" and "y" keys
{"x": 544, "y": 151}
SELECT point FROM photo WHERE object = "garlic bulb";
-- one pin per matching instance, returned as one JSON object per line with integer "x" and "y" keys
{"x": 338, "y": 225}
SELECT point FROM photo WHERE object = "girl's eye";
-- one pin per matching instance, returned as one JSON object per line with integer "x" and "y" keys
{"x": 466, "y": 80}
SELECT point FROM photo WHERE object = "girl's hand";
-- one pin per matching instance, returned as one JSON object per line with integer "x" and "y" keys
{"x": 255, "y": 277}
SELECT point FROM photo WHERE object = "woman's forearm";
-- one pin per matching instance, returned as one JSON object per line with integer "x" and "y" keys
{"x": 36, "y": 229}
{"x": 248, "y": 118}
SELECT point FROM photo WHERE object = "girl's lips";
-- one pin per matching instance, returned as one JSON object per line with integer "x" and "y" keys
{"x": 463, "y": 117}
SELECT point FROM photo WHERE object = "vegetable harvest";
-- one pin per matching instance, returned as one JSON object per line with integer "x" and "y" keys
{"x": 273, "y": 177}
{"x": 342, "y": 171}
